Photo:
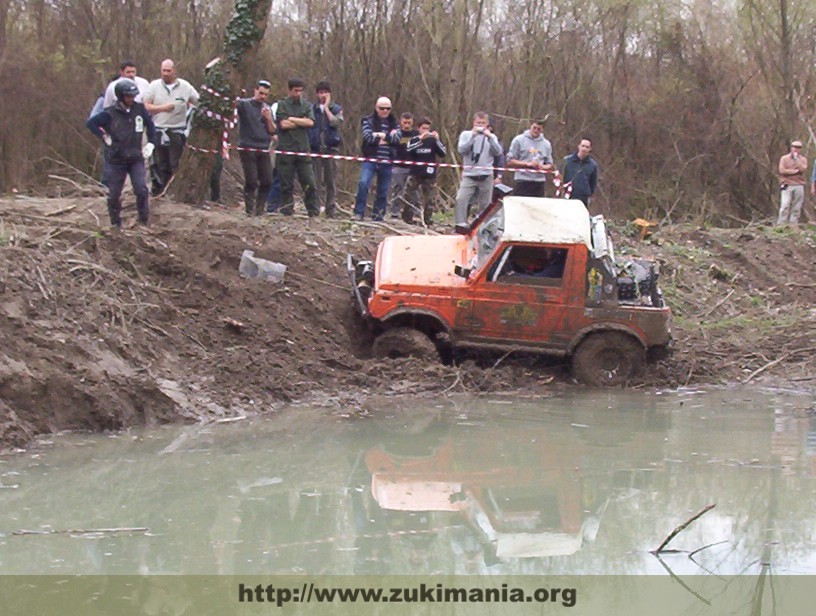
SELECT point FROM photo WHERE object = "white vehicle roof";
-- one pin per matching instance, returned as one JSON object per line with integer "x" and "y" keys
{"x": 546, "y": 220}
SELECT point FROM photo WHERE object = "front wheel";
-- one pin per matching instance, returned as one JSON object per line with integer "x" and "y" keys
{"x": 404, "y": 342}
{"x": 608, "y": 359}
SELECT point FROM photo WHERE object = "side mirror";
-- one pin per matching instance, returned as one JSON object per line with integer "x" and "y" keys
{"x": 463, "y": 272}
{"x": 503, "y": 189}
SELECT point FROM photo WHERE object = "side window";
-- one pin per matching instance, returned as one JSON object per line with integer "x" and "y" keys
{"x": 534, "y": 265}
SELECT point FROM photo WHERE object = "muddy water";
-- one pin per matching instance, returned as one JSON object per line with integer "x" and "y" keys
{"x": 582, "y": 482}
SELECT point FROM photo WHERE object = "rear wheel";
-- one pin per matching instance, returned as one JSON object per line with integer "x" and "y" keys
{"x": 608, "y": 359}
{"x": 404, "y": 342}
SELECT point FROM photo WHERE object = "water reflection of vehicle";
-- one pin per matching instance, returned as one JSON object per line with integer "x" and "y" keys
{"x": 520, "y": 493}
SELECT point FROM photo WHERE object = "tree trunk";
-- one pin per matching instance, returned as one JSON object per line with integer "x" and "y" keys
{"x": 785, "y": 44}
{"x": 4, "y": 9}
{"x": 224, "y": 75}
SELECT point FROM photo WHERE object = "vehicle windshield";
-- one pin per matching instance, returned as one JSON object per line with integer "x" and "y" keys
{"x": 487, "y": 236}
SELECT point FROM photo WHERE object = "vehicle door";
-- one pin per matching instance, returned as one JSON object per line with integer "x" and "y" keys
{"x": 523, "y": 299}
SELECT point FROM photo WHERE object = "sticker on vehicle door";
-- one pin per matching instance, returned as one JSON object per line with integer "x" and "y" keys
{"x": 519, "y": 315}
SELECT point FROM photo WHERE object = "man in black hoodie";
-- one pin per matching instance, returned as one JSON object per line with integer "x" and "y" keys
{"x": 121, "y": 127}
{"x": 423, "y": 148}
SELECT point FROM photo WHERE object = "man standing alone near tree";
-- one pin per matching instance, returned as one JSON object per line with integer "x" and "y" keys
{"x": 792, "y": 169}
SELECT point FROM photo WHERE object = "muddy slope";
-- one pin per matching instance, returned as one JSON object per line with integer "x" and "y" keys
{"x": 103, "y": 331}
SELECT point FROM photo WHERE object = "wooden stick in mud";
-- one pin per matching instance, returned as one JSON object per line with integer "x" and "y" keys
{"x": 682, "y": 527}
{"x": 61, "y": 210}
{"x": 771, "y": 364}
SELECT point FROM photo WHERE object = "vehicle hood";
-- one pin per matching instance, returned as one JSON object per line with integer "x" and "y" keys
{"x": 420, "y": 260}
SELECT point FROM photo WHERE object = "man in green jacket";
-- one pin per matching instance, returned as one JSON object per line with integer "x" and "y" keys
{"x": 295, "y": 117}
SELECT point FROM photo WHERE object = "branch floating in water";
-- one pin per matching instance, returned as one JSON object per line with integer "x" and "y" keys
{"x": 682, "y": 527}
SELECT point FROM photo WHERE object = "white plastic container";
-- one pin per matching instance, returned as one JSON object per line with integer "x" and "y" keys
{"x": 253, "y": 267}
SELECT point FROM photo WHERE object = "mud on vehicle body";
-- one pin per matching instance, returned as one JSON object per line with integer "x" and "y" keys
{"x": 529, "y": 274}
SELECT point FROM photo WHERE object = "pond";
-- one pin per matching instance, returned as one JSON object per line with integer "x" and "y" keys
{"x": 583, "y": 482}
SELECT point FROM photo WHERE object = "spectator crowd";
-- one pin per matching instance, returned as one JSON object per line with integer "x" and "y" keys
{"x": 295, "y": 139}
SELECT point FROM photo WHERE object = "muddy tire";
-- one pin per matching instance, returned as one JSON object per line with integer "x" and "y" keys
{"x": 608, "y": 359}
{"x": 404, "y": 342}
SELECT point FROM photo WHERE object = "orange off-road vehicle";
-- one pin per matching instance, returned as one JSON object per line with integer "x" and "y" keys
{"x": 529, "y": 274}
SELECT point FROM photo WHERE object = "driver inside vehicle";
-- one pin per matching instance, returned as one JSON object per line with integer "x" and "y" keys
{"x": 538, "y": 262}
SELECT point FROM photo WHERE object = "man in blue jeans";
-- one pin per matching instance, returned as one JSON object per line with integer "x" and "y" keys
{"x": 380, "y": 136}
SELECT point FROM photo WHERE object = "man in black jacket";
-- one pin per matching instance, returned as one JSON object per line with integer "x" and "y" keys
{"x": 380, "y": 136}
{"x": 423, "y": 148}
{"x": 121, "y": 127}
{"x": 580, "y": 173}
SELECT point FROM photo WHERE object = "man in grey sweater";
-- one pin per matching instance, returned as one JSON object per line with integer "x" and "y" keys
{"x": 478, "y": 147}
{"x": 255, "y": 129}
{"x": 531, "y": 153}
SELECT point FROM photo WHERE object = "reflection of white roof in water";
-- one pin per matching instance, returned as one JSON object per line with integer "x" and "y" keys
{"x": 535, "y": 544}
{"x": 555, "y": 221}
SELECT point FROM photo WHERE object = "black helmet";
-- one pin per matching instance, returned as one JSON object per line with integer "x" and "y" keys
{"x": 125, "y": 87}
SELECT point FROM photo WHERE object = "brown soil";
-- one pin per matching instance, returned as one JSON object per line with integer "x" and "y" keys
{"x": 103, "y": 331}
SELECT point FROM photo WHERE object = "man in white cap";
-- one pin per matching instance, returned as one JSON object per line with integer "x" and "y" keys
{"x": 792, "y": 169}
{"x": 380, "y": 136}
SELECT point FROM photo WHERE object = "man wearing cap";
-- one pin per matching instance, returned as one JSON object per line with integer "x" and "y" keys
{"x": 255, "y": 129}
{"x": 792, "y": 169}
{"x": 380, "y": 136}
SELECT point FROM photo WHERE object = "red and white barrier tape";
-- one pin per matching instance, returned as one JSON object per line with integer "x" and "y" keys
{"x": 216, "y": 116}
{"x": 363, "y": 159}
{"x": 225, "y": 146}
{"x": 229, "y": 124}
{"x": 209, "y": 90}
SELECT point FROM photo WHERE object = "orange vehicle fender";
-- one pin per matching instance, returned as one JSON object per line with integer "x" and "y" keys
{"x": 413, "y": 312}
{"x": 601, "y": 327}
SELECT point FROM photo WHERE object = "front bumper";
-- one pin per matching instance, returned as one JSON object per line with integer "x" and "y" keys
{"x": 361, "y": 274}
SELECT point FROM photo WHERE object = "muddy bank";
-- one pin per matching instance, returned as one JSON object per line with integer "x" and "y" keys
{"x": 103, "y": 331}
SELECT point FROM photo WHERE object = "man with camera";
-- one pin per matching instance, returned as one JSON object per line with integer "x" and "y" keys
{"x": 792, "y": 169}
{"x": 478, "y": 147}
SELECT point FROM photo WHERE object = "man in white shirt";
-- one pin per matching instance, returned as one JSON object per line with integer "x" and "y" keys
{"x": 127, "y": 70}
{"x": 167, "y": 99}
